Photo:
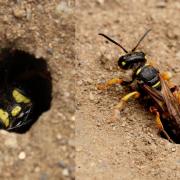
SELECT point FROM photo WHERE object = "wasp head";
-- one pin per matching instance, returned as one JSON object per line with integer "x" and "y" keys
{"x": 132, "y": 60}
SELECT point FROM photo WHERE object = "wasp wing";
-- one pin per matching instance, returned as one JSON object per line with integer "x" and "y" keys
{"x": 168, "y": 104}
{"x": 156, "y": 96}
{"x": 172, "y": 104}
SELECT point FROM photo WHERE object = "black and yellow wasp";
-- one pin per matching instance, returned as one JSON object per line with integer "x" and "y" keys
{"x": 150, "y": 84}
{"x": 15, "y": 109}
{"x": 16, "y": 105}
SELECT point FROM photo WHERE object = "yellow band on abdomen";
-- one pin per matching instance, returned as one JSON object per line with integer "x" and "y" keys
{"x": 4, "y": 117}
{"x": 16, "y": 110}
{"x": 19, "y": 98}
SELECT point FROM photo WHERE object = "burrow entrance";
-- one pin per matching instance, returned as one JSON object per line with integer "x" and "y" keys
{"x": 21, "y": 70}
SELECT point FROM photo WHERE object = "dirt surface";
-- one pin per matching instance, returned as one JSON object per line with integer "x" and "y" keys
{"x": 129, "y": 148}
{"x": 45, "y": 29}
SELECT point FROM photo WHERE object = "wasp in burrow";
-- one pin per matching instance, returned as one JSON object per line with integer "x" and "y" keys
{"x": 15, "y": 109}
{"x": 148, "y": 83}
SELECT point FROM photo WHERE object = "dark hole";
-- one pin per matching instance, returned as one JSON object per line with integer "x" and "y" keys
{"x": 22, "y": 71}
{"x": 170, "y": 131}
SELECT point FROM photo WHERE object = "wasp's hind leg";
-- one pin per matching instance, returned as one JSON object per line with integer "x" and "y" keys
{"x": 159, "y": 123}
{"x": 121, "y": 104}
{"x": 176, "y": 92}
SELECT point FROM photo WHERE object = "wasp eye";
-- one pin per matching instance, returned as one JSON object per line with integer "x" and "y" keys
{"x": 123, "y": 63}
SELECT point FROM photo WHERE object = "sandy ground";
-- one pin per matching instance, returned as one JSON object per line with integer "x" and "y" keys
{"x": 129, "y": 148}
{"x": 45, "y": 29}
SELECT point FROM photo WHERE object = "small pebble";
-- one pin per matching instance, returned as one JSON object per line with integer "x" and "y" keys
{"x": 101, "y": 2}
{"x": 59, "y": 136}
{"x": 62, "y": 164}
{"x": 78, "y": 149}
{"x": 91, "y": 96}
{"x": 65, "y": 172}
{"x": 11, "y": 141}
{"x": 37, "y": 169}
{"x": 18, "y": 13}
{"x": 63, "y": 7}
{"x": 80, "y": 82}
{"x": 22, "y": 155}
{"x": 73, "y": 118}
{"x": 28, "y": 14}
{"x": 178, "y": 55}
{"x": 92, "y": 164}
{"x": 161, "y": 4}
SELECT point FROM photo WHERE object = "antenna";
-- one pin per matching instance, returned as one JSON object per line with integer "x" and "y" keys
{"x": 141, "y": 40}
{"x": 114, "y": 42}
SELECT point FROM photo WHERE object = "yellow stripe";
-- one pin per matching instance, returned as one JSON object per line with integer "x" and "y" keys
{"x": 147, "y": 64}
{"x": 19, "y": 98}
{"x": 157, "y": 84}
{"x": 16, "y": 110}
{"x": 4, "y": 117}
{"x": 138, "y": 71}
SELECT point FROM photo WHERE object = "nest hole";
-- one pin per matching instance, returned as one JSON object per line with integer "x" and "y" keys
{"x": 19, "y": 69}
{"x": 170, "y": 132}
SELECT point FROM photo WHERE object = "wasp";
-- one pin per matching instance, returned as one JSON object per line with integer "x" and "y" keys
{"x": 148, "y": 83}
{"x": 15, "y": 109}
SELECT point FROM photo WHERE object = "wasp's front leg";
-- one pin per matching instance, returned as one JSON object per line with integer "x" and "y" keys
{"x": 159, "y": 123}
{"x": 111, "y": 82}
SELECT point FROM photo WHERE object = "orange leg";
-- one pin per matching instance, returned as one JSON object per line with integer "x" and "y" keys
{"x": 159, "y": 123}
{"x": 166, "y": 75}
{"x": 134, "y": 94}
{"x": 109, "y": 83}
{"x": 176, "y": 93}
{"x": 121, "y": 104}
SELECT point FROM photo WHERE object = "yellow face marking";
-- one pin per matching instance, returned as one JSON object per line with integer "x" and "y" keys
{"x": 4, "y": 117}
{"x": 123, "y": 63}
{"x": 19, "y": 98}
{"x": 157, "y": 84}
{"x": 16, "y": 110}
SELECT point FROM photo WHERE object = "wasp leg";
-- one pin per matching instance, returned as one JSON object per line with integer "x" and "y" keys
{"x": 121, "y": 104}
{"x": 166, "y": 75}
{"x": 159, "y": 123}
{"x": 134, "y": 94}
{"x": 109, "y": 83}
{"x": 176, "y": 93}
